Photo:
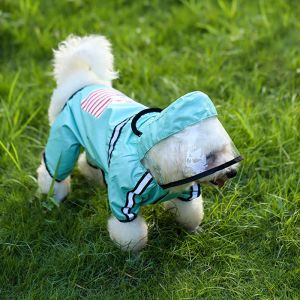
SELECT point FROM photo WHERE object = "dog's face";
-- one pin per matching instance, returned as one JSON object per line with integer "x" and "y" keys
{"x": 217, "y": 158}
{"x": 194, "y": 150}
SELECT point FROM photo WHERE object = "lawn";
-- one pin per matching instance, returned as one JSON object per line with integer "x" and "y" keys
{"x": 245, "y": 55}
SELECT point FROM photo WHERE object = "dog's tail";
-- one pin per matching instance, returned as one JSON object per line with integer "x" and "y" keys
{"x": 80, "y": 61}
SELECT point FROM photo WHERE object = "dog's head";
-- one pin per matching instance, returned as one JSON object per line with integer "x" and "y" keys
{"x": 211, "y": 147}
{"x": 198, "y": 149}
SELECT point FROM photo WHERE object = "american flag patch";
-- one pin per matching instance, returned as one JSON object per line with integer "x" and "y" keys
{"x": 96, "y": 102}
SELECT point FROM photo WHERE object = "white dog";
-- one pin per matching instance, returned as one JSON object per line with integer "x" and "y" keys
{"x": 143, "y": 155}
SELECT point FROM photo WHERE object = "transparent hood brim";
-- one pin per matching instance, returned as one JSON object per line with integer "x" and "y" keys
{"x": 203, "y": 174}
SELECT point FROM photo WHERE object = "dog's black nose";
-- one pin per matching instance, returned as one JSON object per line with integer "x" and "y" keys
{"x": 231, "y": 173}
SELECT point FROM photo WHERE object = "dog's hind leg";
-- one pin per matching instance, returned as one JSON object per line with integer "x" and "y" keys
{"x": 187, "y": 213}
{"x": 88, "y": 171}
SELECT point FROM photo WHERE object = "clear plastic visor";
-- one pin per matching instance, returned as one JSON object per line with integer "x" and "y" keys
{"x": 207, "y": 149}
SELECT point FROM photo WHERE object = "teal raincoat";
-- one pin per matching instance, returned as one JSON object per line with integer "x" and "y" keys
{"x": 116, "y": 133}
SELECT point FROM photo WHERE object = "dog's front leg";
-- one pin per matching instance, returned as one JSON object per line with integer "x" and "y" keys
{"x": 187, "y": 213}
{"x": 130, "y": 236}
{"x": 61, "y": 189}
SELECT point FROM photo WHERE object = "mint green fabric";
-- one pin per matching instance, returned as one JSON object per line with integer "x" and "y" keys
{"x": 130, "y": 185}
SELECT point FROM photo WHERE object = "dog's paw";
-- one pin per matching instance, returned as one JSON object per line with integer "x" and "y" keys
{"x": 131, "y": 236}
{"x": 197, "y": 230}
{"x": 45, "y": 183}
{"x": 62, "y": 189}
{"x": 189, "y": 214}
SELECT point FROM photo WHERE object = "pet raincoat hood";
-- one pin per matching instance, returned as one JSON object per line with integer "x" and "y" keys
{"x": 116, "y": 133}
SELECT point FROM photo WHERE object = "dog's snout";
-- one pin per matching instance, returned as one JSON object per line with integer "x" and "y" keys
{"x": 231, "y": 173}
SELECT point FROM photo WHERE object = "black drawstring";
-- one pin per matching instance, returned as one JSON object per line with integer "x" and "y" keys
{"x": 138, "y": 115}
{"x": 203, "y": 174}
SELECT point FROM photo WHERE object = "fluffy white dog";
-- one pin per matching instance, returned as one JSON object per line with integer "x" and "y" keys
{"x": 143, "y": 155}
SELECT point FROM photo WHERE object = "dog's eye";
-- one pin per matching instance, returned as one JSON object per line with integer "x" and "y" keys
{"x": 211, "y": 157}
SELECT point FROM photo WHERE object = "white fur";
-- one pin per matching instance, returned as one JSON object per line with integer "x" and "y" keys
{"x": 187, "y": 213}
{"x": 61, "y": 189}
{"x": 89, "y": 172}
{"x": 131, "y": 236}
{"x": 80, "y": 61}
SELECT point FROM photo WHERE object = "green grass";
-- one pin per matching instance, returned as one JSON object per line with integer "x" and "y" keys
{"x": 245, "y": 55}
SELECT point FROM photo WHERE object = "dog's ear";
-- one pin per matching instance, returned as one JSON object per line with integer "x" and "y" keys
{"x": 211, "y": 159}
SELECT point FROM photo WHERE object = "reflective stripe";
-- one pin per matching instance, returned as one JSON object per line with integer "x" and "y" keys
{"x": 140, "y": 187}
{"x": 114, "y": 138}
{"x": 195, "y": 193}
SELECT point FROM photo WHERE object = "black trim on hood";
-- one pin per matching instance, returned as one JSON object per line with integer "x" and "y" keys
{"x": 140, "y": 114}
{"x": 203, "y": 174}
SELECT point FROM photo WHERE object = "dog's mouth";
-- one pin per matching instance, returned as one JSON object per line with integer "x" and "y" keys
{"x": 219, "y": 182}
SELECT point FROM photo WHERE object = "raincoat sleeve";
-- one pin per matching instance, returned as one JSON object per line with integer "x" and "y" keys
{"x": 194, "y": 193}
{"x": 122, "y": 206}
{"x": 62, "y": 149}
{"x": 127, "y": 193}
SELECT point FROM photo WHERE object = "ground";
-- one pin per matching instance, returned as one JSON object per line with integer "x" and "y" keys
{"x": 245, "y": 56}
